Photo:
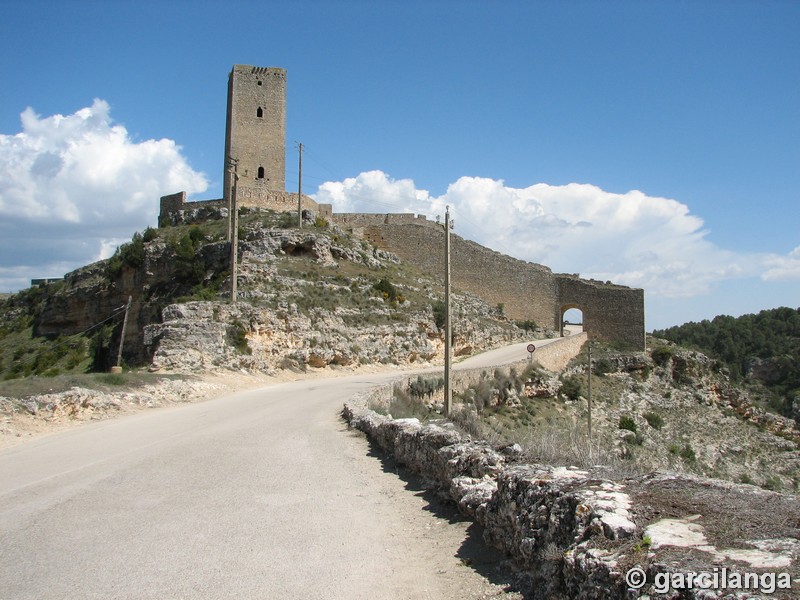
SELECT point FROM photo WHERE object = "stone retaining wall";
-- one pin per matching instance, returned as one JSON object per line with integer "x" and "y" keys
{"x": 578, "y": 532}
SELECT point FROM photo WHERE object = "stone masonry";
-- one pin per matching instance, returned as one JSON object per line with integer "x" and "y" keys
{"x": 255, "y": 131}
{"x": 256, "y": 136}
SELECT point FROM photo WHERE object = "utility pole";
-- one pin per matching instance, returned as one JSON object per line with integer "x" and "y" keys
{"x": 118, "y": 367}
{"x": 448, "y": 390}
{"x": 590, "y": 393}
{"x": 233, "y": 217}
{"x": 300, "y": 187}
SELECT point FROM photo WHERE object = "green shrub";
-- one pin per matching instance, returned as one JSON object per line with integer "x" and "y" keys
{"x": 425, "y": 388}
{"x": 661, "y": 356}
{"x": 439, "y": 313}
{"x": 571, "y": 387}
{"x": 527, "y": 325}
{"x": 288, "y": 220}
{"x": 385, "y": 287}
{"x": 602, "y": 366}
{"x": 687, "y": 453}
{"x": 625, "y": 422}
{"x": 654, "y": 420}
{"x": 149, "y": 234}
{"x": 237, "y": 335}
{"x": 403, "y": 405}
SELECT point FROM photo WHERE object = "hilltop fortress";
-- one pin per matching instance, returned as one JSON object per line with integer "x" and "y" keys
{"x": 255, "y": 140}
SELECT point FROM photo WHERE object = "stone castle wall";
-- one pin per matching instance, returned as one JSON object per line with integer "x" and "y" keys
{"x": 174, "y": 204}
{"x": 526, "y": 290}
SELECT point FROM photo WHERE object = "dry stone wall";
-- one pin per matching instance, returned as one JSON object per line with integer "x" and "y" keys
{"x": 577, "y": 532}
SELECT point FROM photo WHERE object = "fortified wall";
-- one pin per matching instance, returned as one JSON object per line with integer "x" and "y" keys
{"x": 526, "y": 290}
{"x": 173, "y": 206}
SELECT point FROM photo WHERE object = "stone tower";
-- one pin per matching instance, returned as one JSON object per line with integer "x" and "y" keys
{"x": 255, "y": 132}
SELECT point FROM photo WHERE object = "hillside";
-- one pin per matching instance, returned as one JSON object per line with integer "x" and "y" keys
{"x": 671, "y": 409}
{"x": 760, "y": 350}
{"x": 310, "y": 297}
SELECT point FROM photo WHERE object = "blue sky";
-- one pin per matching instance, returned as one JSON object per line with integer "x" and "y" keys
{"x": 652, "y": 143}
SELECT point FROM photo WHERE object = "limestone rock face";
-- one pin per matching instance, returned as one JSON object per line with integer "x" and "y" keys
{"x": 305, "y": 299}
{"x": 201, "y": 335}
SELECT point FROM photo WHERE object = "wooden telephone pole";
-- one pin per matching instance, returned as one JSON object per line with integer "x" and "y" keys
{"x": 448, "y": 390}
{"x": 233, "y": 224}
{"x": 590, "y": 393}
{"x": 300, "y": 187}
{"x": 118, "y": 367}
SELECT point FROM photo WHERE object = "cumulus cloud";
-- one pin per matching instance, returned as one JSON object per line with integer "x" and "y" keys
{"x": 783, "y": 268}
{"x": 73, "y": 187}
{"x": 629, "y": 238}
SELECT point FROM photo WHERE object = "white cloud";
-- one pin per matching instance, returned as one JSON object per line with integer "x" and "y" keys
{"x": 783, "y": 268}
{"x": 630, "y": 238}
{"x": 70, "y": 184}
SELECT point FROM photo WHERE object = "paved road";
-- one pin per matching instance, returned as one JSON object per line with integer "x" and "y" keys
{"x": 263, "y": 494}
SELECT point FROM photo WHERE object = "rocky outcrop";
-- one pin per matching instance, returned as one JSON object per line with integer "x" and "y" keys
{"x": 578, "y": 532}
{"x": 54, "y": 409}
{"x": 306, "y": 298}
{"x": 212, "y": 335}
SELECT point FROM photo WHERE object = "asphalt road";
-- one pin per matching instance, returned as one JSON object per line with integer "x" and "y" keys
{"x": 263, "y": 494}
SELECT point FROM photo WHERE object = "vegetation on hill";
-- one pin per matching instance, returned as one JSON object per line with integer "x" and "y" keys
{"x": 669, "y": 409}
{"x": 761, "y": 349}
{"x": 316, "y": 272}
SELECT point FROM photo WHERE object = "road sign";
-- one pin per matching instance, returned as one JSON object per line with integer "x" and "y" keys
{"x": 531, "y": 348}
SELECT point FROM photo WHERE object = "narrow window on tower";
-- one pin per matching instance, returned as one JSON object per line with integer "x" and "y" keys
{"x": 260, "y": 112}
{"x": 261, "y": 172}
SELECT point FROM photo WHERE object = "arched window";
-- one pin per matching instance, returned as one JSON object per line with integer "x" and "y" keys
{"x": 261, "y": 172}
{"x": 260, "y": 112}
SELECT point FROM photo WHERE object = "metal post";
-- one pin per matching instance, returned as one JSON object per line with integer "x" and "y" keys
{"x": 122, "y": 335}
{"x": 300, "y": 188}
{"x": 448, "y": 391}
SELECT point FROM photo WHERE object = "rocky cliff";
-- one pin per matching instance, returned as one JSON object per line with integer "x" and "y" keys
{"x": 308, "y": 297}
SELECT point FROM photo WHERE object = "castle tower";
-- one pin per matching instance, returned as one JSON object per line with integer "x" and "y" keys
{"x": 255, "y": 132}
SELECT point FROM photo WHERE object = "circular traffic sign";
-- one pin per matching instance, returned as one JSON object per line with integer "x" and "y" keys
{"x": 531, "y": 348}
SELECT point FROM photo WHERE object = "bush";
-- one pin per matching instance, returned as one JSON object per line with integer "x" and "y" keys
{"x": 387, "y": 289}
{"x": 403, "y": 405}
{"x": 425, "y": 388}
{"x": 288, "y": 220}
{"x": 571, "y": 387}
{"x": 238, "y": 338}
{"x": 661, "y": 356}
{"x": 149, "y": 234}
{"x": 687, "y": 453}
{"x": 625, "y": 422}
{"x": 654, "y": 420}
{"x": 188, "y": 269}
{"x": 527, "y": 325}
{"x": 602, "y": 366}
{"x": 439, "y": 313}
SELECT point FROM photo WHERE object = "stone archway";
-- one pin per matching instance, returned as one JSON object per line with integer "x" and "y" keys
{"x": 571, "y": 320}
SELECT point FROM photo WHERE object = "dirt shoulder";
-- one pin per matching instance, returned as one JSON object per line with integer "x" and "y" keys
{"x": 39, "y": 406}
